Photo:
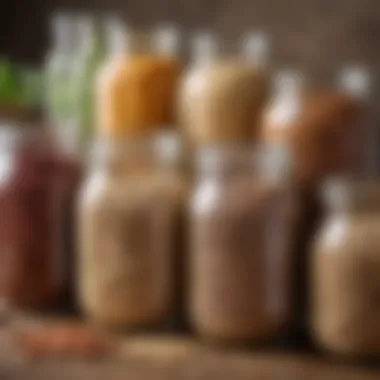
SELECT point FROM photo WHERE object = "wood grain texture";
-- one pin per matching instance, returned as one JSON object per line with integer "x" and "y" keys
{"x": 160, "y": 356}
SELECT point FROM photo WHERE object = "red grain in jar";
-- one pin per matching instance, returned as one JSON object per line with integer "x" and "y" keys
{"x": 30, "y": 191}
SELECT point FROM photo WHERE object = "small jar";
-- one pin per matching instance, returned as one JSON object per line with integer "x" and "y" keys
{"x": 128, "y": 215}
{"x": 223, "y": 92}
{"x": 345, "y": 271}
{"x": 241, "y": 221}
{"x": 32, "y": 265}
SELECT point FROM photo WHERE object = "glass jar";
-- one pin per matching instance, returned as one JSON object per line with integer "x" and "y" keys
{"x": 136, "y": 87}
{"x": 222, "y": 93}
{"x": 128, "y": 216}
{"x": 345, "y": 270}
{"x": 32, "y": 269}
{"x": 59, "y": 70}
{"x": 90, "y": 56}
{"x": 241, "y": 221}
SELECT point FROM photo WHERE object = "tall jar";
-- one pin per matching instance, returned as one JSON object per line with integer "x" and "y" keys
{"x": 128, "y": 215}
{"x": 59, "y": 70}
{"x": 91, "y": 54}
{"x": 137, "y": 86}
{"x": 345, "y": 270}
{"x": 223, "y": 92}
{"x": 32, "y": 266}
{"x": 241, "y": 235}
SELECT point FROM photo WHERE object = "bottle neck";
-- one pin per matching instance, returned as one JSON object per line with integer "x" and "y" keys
{"x": 63, "y": 32}
{"x": 166, "y": 41}
{"x": 89, "y": 36}
{"x": 115, "y": 31}
{"x": 205, "y": 48}
{"x": 256, "y": 49}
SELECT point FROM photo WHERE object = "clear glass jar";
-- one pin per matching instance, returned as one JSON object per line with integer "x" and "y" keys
{"x": 223, "y": 92}
{"x": 345, "y": 270}
{"x": 137, "y": 85}
{"x": 31, "y": 187}
{"x": 59, "y": 70}
{"x": 241, "y": 221}
{"x": 128, "y": 216}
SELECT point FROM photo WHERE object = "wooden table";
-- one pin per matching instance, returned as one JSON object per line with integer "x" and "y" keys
{"x": 168, "y": 357}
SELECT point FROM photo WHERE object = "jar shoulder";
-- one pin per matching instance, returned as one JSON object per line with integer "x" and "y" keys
{"x": 349, "y": 235}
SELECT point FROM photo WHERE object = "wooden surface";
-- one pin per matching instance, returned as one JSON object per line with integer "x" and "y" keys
{"x": 168, "y": 357}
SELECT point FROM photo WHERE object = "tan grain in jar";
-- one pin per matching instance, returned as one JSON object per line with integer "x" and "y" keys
{"x": 322, "y": 130}
{"x": 221, "y": 96}
{"x": 241, "y": 225}
{"x": 345, "y": 271}
{"x": 128, "y": 215}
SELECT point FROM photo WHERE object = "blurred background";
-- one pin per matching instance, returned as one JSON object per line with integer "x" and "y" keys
{"x": 319, "y": 34}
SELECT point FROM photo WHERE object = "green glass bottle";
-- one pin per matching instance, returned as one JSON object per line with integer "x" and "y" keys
{"x": 91, "y": 53}
{"x": 58, "y": 98}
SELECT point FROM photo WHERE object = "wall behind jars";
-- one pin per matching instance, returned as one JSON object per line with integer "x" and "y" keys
{"x": 318, "y": 35}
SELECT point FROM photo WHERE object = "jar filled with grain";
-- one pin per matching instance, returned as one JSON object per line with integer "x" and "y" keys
{"x": 241, "y": 233}
{"x": 128, "y": 215}
{"x": 345, "y": 270}
{"x": 223, "y": 92}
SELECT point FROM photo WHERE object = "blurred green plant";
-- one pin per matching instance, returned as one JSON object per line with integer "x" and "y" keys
{"x": 10, "y": 86}
{"x": 20, "y": 86}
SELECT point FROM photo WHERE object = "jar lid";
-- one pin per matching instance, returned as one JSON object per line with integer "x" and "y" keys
{"x": 204, "y": 46}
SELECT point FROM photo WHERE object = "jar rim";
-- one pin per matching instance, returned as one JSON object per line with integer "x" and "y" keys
{"x": 274, "y": 160}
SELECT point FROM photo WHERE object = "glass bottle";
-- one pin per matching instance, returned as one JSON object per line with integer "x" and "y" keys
{"x": 345, "y": 270}
{"x": 91, "y": 54}
{"x": 58, "y": 73}
{"x": 32, "y": 267}
{"x": 221, "y": 93}
{"x": 136, "y": 87}
{"x": 241, "y": 235}
{"x": 128, "y": 217}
